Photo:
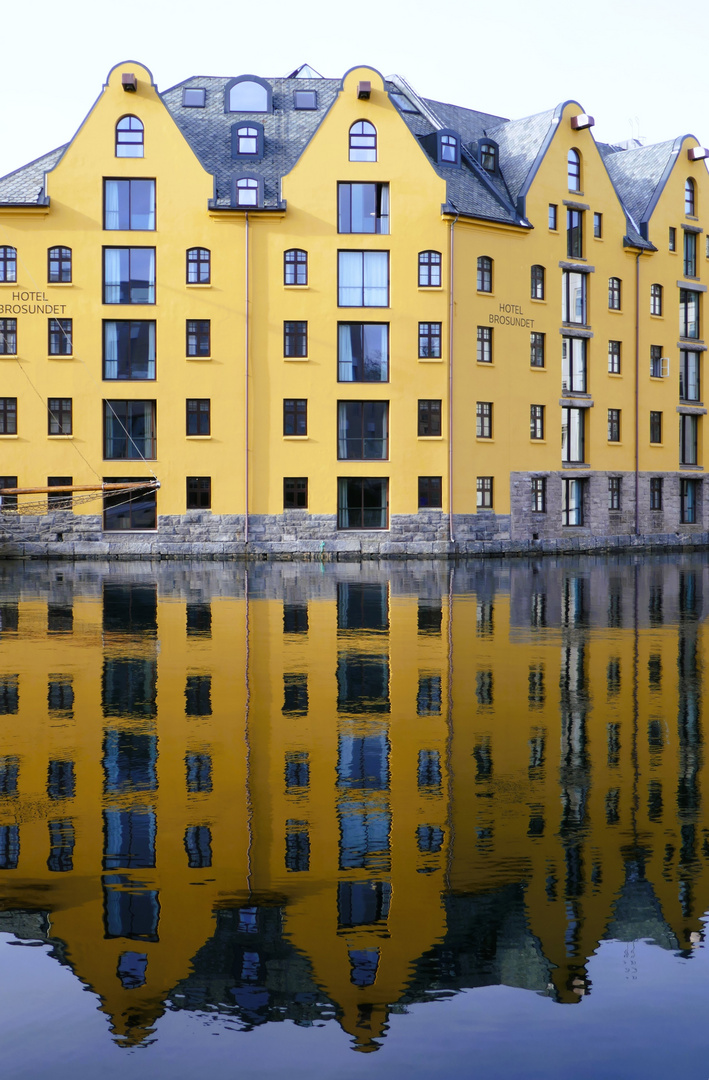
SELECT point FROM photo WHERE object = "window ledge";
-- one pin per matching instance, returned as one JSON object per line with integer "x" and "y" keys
{"x": 615, "y": 311}
{"x": 8, "y": 285}
{"x": 430, "y": 288}
{"x": 484, "y": 439}
{"x": 431, "y": 438}
{"x": 430, "y": 360}
{"x": 615, "y": 375}
{"x": 200, "y": 438}
{"x": 656, "y": 445}
{"x": 538, "y": 299}
{"x": 129, "y": 532}
{"x": 537, "y": 367}
{"x": 196, "y": 358}
{"x": 60, "y": 284}
{"x": 9, "y": 436}
{"x": 60, "y": 436}
{"x": 687, "y": 468}
{"x": 537, "y": 442}
{"x": 296, "y": 438}
{"x": 295, "y": 359}
{"x": 198, "y": 284}
{"x": 9, "y": 356}
{"x": 485, "y": 363}
{"x": 61, "y": 356}
{"x": 298, "y": 288}
{"x": 575, "y": 465}
{"x": 484, "y": 292}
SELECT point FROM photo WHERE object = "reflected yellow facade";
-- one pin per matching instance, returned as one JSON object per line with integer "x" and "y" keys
{"x": 338, "y": 793}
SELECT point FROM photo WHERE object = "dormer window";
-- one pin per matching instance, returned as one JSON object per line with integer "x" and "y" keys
{"x": 488, "y": 156}
{"x": 689, "y": 197}
{"x": 248, "y": 94}
{"x": 363, "y": 141}
{"x": 130, "y": 137}
{"x": 573, "y": 170}
{"x": 247, "y": 141}
{"x": 194, "y": 97}
{"x": 305, "y": 99}
{"x": 247, "y": 192}
{"x": 448, "y": 150}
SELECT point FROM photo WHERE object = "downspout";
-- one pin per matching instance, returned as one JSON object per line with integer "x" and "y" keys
{"x": 451, "y": 305}
{"x": 637, "y": 392}
{"x": 246, "y": 379}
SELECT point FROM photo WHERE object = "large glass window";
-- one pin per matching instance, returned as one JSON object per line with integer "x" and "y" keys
{"x": 572, "y": 502}
{"x": 363, "y": 141}
{"x": 363, "y": 208}
{"x": 58, "y": 265}
{"x": 362, "y": 430}
{"x": 129, "y": 275}
{"x": 129, "y": 430}
{"x": 363, "y": 278}
{"x": 573, "y": 297}
{"x": 688, "y": 501}
{"x": 689, "y": 365}
{"x": 688, "y": 313}
{"x": 129, "y": 204}
{"x": 429, "y": 269}
{"x": 574, "y": 234}
{"x": 130, "y": 137}
{"x": 573, "y": 423}
{"x": 362, "y": 502}
{"x": 247, "y": 95}
{"x": 688, "y": 428}
{"x": 124, "y": 510}
{"x": 573, "y": 365}
{"x": 129, "y": 349}
{"x": 690, "y": 254}
{"x": 363, "y": 352}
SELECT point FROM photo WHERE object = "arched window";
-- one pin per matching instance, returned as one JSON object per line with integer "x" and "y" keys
{"x": 295, "y": 267}
{"x": 363, "y": 141}
{"x": 8, "y": 264}
{"x": 59, "y": 264}
{"x": 484, "y": 274}
{"x": 249, "y": 95}
{"x": 199, "y": 266}
{"x": 689, "y": 197}
{"x": 247, "y": 191}
{"x": 614, "y": 293}
{"x": 573, "y": 170}
{"x": 430, "y": 268}
{"x": 656, "y": 299}
{"x": 449, "y": 150}
{"x": 488, "y": 156}
{"x": 537, "y": 283}
{"x": 130, "y": 137}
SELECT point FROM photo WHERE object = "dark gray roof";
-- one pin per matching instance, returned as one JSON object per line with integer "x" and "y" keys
{"x": 26, "y": 185}
{"x": 520, "y": 142}
{"x": 637, "y": 173}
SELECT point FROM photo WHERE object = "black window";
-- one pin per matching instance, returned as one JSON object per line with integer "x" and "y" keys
{"x": 129, "y": 204}
{"x": 688, "y": 429}
{"x": 573, "y": 432}
{"x": 199, "y": 266}
{"x": 8, "y": 418}
{"x": 614, "y": 492}
{"x": 539, "y": 494}
{"x": 573, "y": 170}
{"x": 429, "y": 416}
{"x": 656, "y": 299}
{"x": 295, "y": 339}
{"x": 655, "y": 427}
{"x": 8, "y": 337}
{"x": 656, "y": 361}
{"x": 60, "y": 619}
{"x": 198, "y": 620}
{"x": 59, "y": 264}
{"x": 363, "y": 352}
{"x": 614, "y": 293}
{"x": 614, "y": 425}
{"x": 128, "y": 349}
{"x": 363, "y": 278}
{"x": 430, "y": 492}
{"x": 429, "y": 268}
{"x": 199, "y": 414}
{"x": 60, "y": 500}
{"x": 673, "y": 239}
{"x": 130, "y": 137}
{"x": 61, "y": 846}
{"x": 295, "y": 267}
{"x": 295, "y": 618}
{"x": 129, "y": 430}
{"x": 483, "y": 419}
{"x": 484, "y": 493}
{"x": 429, "y": 341}
{"x": 536, "y": 349}
{"x": 295, "y": 693}
{"x": 573, "y": 365}
{"x": 362, "y": 502}
{"x": 8, "y": 264}
{"x": 598, "y": 226}
{"x": 488, "y": 156}
{"x": 363, "y": 141}
{"x": 689, "y": 375}
{"x": 61, "y": 781}
{"x": 295, "y": 416}
{"x": 688, "y": 313}
{"x": 552, "y": 217}
{"x": 9, "y": 775}
{"x": 614, "y": 357}
{"x": 295, "y": 492}
{"x": 199, "y": 337}
{"x": 297, "y": 859}
{"x": 128, "y": 275}
{"x": 656, "y": 493}
{"x": 59, "y": 416}
{"x": 60, "y": 337}
{"x": 690, "y": 254}
{"x": 199, "y": 492}
{"x": 363, "y": 208}
{"x": 572, "y": 502}
{"x": 537, "y": 283}
{"x": 688, "y": 490}
{"x": 484, "y": 274}
{"x": 60, "y": 695}
{"x": 429, "y": 617}
{"x": 9, "y": 847}
{"x": 297, "y": 769}
{"x": 9, "y": 502}
{"x": 124, "y": 510}
{"x": 573, "y": 297}
{"x": 689, "y": 197}
{"x": 574, "y": 234}
{"x": 536, "y": 421}
{"x": 484, "y": 345}
{"x": 362, "y": 430}
{"x": 198, "y": 699}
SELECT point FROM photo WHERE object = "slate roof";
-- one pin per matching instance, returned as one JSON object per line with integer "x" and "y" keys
{"x": 26, "y": 184}
{"x": 637, "y": 173}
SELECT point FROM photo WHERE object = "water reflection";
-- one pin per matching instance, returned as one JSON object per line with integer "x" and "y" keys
{"x": 323, "y": 792}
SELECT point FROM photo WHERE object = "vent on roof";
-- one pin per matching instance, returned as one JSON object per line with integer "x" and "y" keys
{"x": 129, "y": 82}
{"x": 583, "y": 120}
{"x": 364, "y": 89}
{"x": 698, "y": 153}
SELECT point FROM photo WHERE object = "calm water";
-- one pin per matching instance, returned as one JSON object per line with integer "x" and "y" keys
{"x": 343, "y": 821}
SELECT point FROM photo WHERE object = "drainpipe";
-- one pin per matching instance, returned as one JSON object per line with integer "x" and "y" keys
{"x": 246, "y": 379}
{"x": 451, "y": 272}
{"x": 637, "y": 391}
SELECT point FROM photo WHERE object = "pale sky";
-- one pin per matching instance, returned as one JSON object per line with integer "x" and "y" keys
{"x": 635, "y": 65}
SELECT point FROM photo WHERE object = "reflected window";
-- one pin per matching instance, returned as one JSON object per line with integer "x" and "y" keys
{"x": 199, "y": 620}
{"x": 363, "y": 964}
{"x": 613, "y": 739}
{"x": 198, "y": 695}
{"x": 129, "y": 687}
{"x": 9, "y": 695}
{"x": 429, "y": 839}
{"x": 9, "y": 612}
{"x": 537, "y": 746}
{"x": 198, "y": 770}
{"x": 297, "y": 770}
{"x": 131, "y": 970}
{"x": 198, "y": 845}
{"x": 295, "y": 618}
{"x": 484, "y": 687}
{"x": 362, "y": 903}
{"x": 297, "y": 846}
{"x": 429, "y": 770}
{"x": 61, "y": 781}
{"x": 482, "y": 755}
{"x": 129, "y": 761}
{"x": 536, "y": 695}
{"x": 428, "y": 697}
{"x": 363, "y": 762}
{"x": 60, "y": 619}
{"x": 9, "y": 773}
{"x": 362, "y": 683}
{"x": 429, "y": 617}
{"x": 130, "y": 609}
{"x": 362, "y": 606}
{"x": 295, "y": 693}
{"x": 364, "y": 837}
{"x": 129, "y": 839}
{"x": 130, "y": 911}
{"x": 9, "y": 847}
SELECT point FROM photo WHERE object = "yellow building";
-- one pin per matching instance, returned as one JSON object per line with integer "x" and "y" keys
{"x": 181, "y": 304}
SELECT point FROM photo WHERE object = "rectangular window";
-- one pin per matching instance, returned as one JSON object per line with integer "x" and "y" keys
{"x": 129, "y": 349}
{"x": 8, "y": 337}
{"x": 598, "y": 226}
{"x": 573, "y": 297}
{"x": 60, "y": 337}
{"x": 688, "y": 313}
{"x": 656, "y": 361}
{"x": 362, "y": 502}
{"x": 8, "y": 416}
{"x": 656, "y": 493}
{"x": 363, "y": 208}
{"x": 430, "y": 492}
{"x": 656, "y": 299}
{"x": 198, "y": 338}
{"x": 363, "y": 278}
{"x": 688, "y": 429}
{"x": 130, "y": 510}
{"x": 614, "y": 425}
{"x": 614, "y": 294}
{"x": 199, "y": 412}
{"x": 60, "y": 500}
{"x": 295, "y": 492}
{"x": 673, "y": 239}
{"x": 10, "y": 503}
{"x": 689, "y": 388}
{"x": 429, "y": 341}
{"x": 59, "y": 416}
{"x": 129, "y": 430}
{"x": 690, "y": 254}
{"x": 429, "y": 417}
{"x": 295, "y": 416}
{"x": 129, "y": 204}
{"x": 295, "y": 339}
{"x": 614, "y": 357}
{"x": 614, "y": 489}
{"x": 655, "y": 427}
{"x": 128, "y": 275}
{"x": 483, "y": 419}
{"x": 363, "y": 352}
{"x": 484, "y": 345}
{"x": 574, "y": 234}
{"x": 573, "y": 365}
{"x": 536, "y": 349}
{"x": 553, "y": 208}
{"x": 539, "y": 494}
{"x": 484, "y": 493}
{"x": 536, "y": 421}
{"x": 688, "y": 502}
{"x": 59, "y": 265}
{"x": 573, "y": 430}
{"x": 199, "y": 492}
{"x": 572, "y": 502}
{"x": 362, "y": 430}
